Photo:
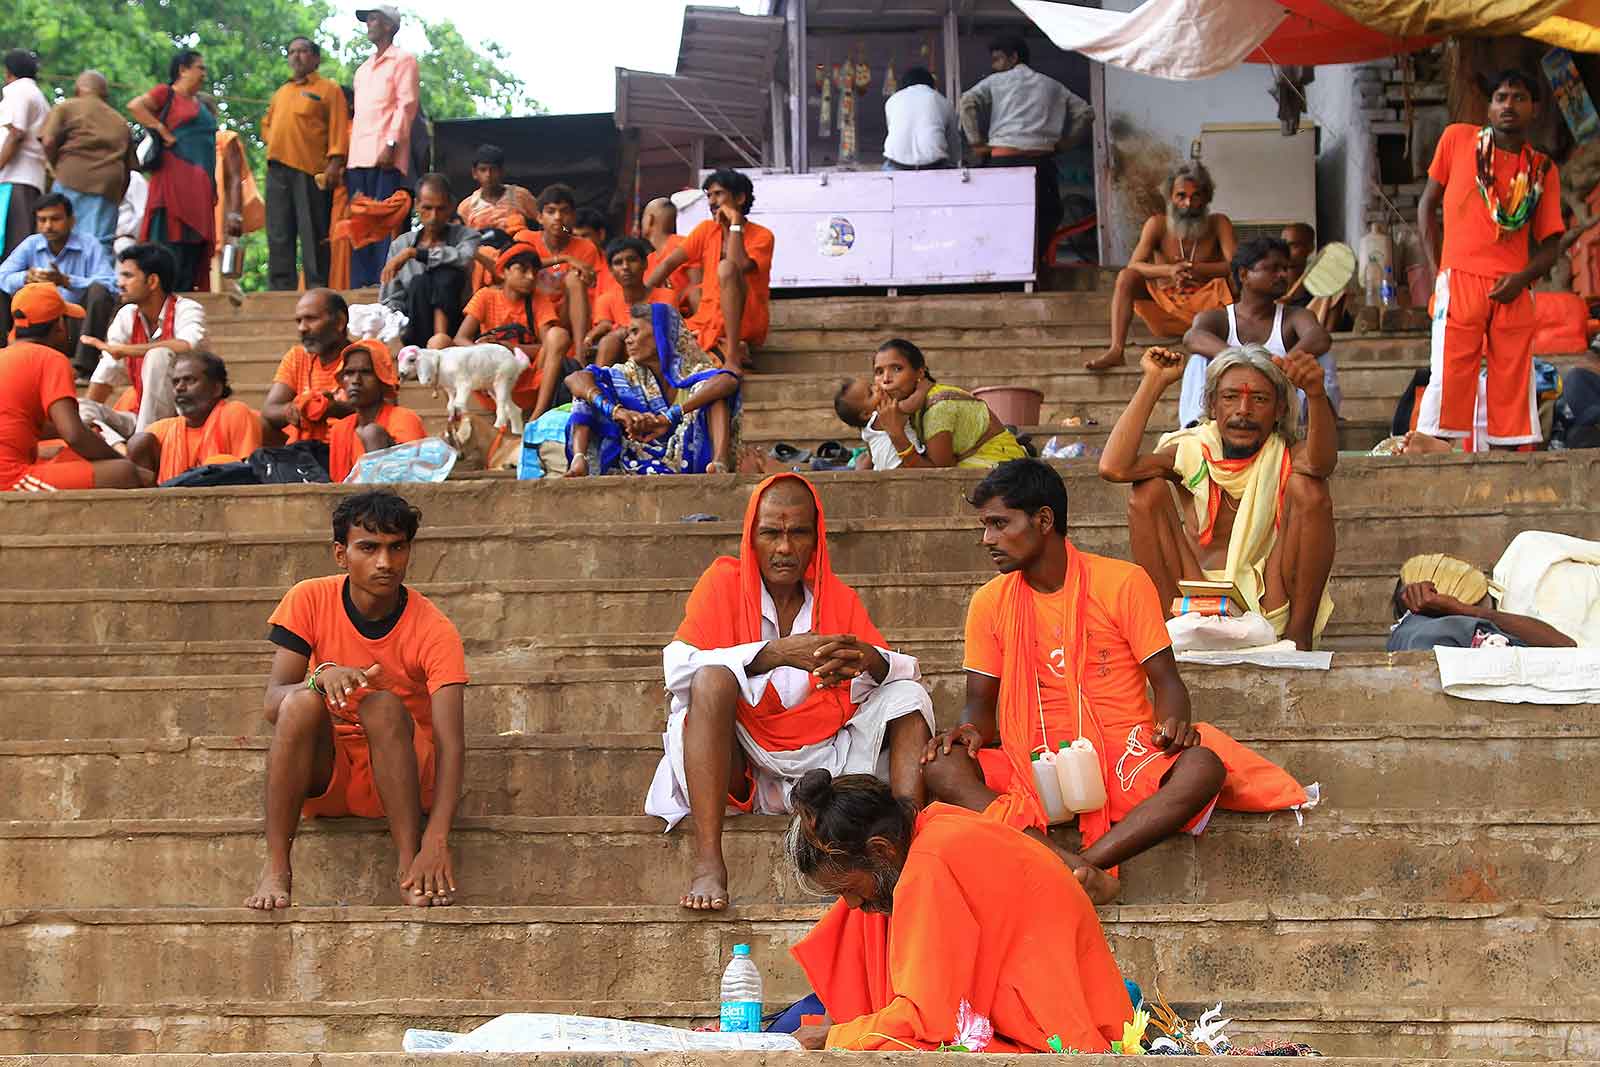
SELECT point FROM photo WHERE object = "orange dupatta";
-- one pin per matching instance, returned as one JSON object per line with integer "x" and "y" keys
{"x": 1019, "y": 700}
{"x": 725, "y": 610}
{"x": 371, "y": 221}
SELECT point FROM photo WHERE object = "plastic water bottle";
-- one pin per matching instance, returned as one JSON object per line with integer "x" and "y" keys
{"x": 1048, "y": 787}
{"x": 741, "y": 994}
{"x": 1388, "y": 287}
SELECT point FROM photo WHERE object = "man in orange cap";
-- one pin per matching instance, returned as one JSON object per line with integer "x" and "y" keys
{"x": 37, "y": 390}
{"x": 518, "y": 314}
{"x": 209, "y": 428}
{"x": 776, "y": 670}
{"x": 370, "y": 384}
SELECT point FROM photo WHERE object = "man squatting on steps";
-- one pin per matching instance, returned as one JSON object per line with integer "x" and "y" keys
{"x": 776, "y": 670}
{"x": 1061, "y": 646}
{"x": 375, "y": 728}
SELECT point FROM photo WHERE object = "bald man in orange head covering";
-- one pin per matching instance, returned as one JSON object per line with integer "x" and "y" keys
{"x": 776, "y": 670}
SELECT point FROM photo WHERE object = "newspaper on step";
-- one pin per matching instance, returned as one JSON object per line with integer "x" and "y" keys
{"x": 528, "y": 1032}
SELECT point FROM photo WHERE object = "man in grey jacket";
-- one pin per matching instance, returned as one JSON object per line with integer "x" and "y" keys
{"x": 426, "y": 276}
{"x": 1030, "y": 116}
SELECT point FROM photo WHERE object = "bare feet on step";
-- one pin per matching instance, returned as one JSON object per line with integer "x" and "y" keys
{"x": 1111, "y": 357}
{"x": 1101, "y": 887}
{"x": 272, "y": 891}
{"x": 708, "y": 888}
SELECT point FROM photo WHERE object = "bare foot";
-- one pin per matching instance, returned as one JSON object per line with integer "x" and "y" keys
{"x": 743, "y": 361}
{"x": 1421, "y": 444}
{"x": 413, "y": 898}
{"x": 272, "y": 891}
{"x": 1112, "y": 357}
{"x": 578, "y": 468}
{"x": 1101, "y": 887}
{"x": 708, "y": 888}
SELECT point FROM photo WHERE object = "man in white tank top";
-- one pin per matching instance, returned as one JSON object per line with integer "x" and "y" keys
{"x": 1263, "y": 272}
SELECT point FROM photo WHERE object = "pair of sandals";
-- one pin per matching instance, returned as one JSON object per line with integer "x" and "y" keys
{"x": 828, "y": 456}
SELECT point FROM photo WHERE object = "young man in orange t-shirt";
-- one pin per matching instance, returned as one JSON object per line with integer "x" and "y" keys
{"x": 627, "y": 257}
{"x": 370, "y": 383}
{"x": 519, "y": 314}
{"x": 1093, "y": 634}
{"x": 305, "y": 390}
{"x": 208, "y": 428}
{"x": 37, "y": 392}
{"x": 735, "y": 257}
{"x": 1499, "y": 195}
{"x": 571, "y": 264}
{"x": 365, "y": 701}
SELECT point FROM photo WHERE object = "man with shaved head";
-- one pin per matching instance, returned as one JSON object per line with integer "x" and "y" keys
{"x": 776, "y": 670}
{"x": 659, "y": 226}
{"x": 306, "y": 393}
{"x": 87, "y": 142}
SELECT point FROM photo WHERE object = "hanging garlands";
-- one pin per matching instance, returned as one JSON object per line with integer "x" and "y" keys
{"x": 1527, "y": 184}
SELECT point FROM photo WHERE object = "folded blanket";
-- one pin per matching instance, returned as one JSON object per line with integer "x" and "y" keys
{"x": 1521, "y": 675}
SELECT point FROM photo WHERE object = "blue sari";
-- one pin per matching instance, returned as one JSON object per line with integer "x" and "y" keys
{"x": 686, "y": 448}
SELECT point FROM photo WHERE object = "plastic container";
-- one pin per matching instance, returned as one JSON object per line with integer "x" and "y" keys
{"x": 1083, "y": 786}
{"x": 1046, "y": 784}
{"x": 741, "y": 994}
{"x": 1387, "y": 293}
{"x": 1014, "y": 405}
{"x": 1377, "y": 256}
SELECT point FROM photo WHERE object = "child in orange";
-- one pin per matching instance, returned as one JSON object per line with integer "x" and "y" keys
{"x": 572, "y": 264}
{"x": 365, "y": 701}
{"x": 1496, "y": 191}
{"x": 370, "y": 383}
{"x": 627, "y": 257}
{"x": 517, "y": 313}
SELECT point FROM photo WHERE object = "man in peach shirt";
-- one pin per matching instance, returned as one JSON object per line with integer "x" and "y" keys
{"x": 380, "y": 133}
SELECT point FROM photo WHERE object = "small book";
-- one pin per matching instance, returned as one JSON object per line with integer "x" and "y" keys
{"x": 1206, "y": 587}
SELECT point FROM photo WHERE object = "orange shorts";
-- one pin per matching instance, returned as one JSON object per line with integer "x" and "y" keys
{"x": 65, "y": 470}
{"x": 352, "y": 791}
{"x": 1140, "y": 770}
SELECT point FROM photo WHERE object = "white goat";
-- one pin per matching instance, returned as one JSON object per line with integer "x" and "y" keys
{"x": 463, "y": 370}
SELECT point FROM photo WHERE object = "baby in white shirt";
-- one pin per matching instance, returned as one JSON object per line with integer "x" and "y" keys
{"x": 856, "y": 404}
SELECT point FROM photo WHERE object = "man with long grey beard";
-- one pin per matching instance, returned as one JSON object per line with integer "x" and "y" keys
{"x": 1178, "y": 269}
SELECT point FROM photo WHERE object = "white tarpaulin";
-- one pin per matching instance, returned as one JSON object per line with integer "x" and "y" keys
{"x": 1176, "y": 39}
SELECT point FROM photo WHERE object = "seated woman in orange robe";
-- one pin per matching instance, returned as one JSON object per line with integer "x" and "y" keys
{"x": 941, "y": 909}
{"x": 370, "y": 383}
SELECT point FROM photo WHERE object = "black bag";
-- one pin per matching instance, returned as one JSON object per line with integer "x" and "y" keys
{"x": 147, "y": 152}
{"x": 301, "y": 462}
{"x": 237, "y": 473}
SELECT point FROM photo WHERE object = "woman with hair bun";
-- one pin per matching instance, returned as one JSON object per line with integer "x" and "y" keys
{"x": 939, "y": 910}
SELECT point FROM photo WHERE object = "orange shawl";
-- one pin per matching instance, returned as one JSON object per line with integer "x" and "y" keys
{"x": 371, "y": 221}
{"x": 725, "y": 610}
{"x": 1018, "y": 705}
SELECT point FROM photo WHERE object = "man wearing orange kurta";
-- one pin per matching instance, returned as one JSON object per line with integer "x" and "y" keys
{"x": 370, "y": 383}
{"x": 209, "y": 428}
{"x": 1497, "y": 191}
{"x": 776, "y": 670}
{"x": 1060, "y": 647}
{"x": 305, "y": 391}
{"x": 941, "y": 911}
{"x": 735, "y": 258}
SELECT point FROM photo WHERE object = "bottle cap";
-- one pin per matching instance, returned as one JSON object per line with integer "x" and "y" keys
{"x": 1064, "y": 746}
{"x": 741, "y": 950}
{"x": 1036, "y": 756}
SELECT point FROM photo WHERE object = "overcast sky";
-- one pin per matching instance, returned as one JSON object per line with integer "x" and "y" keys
{"x": 574, "y": 45}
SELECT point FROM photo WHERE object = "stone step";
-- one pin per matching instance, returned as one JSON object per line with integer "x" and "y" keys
{"x": 1531, "y": 478}
{"x": 581, "y": 1059}
{"x": 1470, "y": 964}
{"x": 523, "y": 693}
{"x": 154, "y": 561}
{"x": 1377, "y": 857}
{"x": 514, "y": 611}
{"x": 595, "y": 773}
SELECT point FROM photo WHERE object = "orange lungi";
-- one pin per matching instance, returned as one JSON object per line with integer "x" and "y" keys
{"x": 352, "y": 791}
{"x": 1170, "y": 312}
{"x": 1469, "y": 330}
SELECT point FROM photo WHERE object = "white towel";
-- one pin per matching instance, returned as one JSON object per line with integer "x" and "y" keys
{"x": 1521, "y": 675}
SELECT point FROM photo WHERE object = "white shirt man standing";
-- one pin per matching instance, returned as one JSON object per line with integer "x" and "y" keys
{"x": 923, "y": 130}
{"x": 23, "y": 110}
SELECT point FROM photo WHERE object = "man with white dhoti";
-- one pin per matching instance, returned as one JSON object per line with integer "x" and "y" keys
{"x": 776, "y": 671}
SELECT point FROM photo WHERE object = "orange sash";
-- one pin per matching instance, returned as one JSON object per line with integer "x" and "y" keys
{"x": 371, "y": 221}
{"x": 725, "y": 610}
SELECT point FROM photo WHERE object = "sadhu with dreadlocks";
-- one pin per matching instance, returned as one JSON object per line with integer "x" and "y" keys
{"x": 1500, "y": 196}
{"x": 941, "y": 907}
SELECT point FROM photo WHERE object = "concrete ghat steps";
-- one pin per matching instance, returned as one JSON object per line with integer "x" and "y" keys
{"x": 608, "y": 774}
{"x": 522, "y": 692}
{"x": 534, "y": 611}
{"x": 1534, "y": 478}
{"x": 860, "y": 546}
{"x": 1471, "y": 966}
{"x": 579, "y": 1059}
{"x": 1377, "y": 857}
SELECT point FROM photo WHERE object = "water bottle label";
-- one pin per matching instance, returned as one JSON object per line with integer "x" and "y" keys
{"x": 741, "y": 1017}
